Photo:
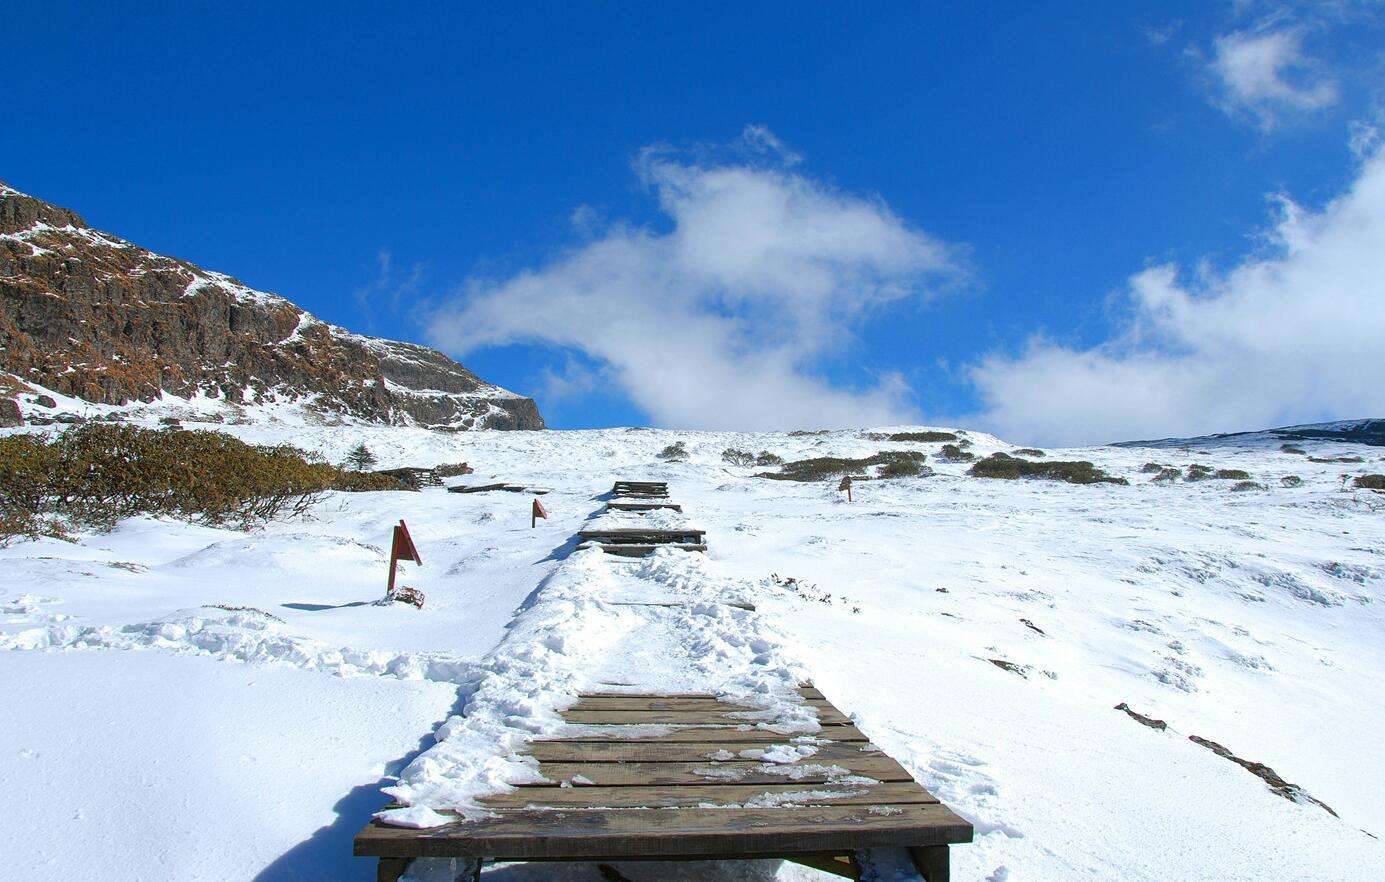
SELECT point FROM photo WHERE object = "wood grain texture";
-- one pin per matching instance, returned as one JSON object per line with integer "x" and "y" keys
{"x": 826, "y": 716}
{"x": 653, "y": 752}
{"x": 701, "y": 734}
{"x": 880, "y": 768}
{"x": 713, "y": 833}
{"x": 710, "y": 794}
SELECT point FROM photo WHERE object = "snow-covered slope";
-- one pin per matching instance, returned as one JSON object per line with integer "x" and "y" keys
{"x": 1250, "y": 618}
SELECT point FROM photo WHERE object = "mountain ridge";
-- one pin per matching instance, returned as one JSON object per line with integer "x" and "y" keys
{"x": 92, "y": 316}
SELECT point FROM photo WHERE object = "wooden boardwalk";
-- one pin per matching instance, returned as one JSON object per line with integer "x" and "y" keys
{"x": 696, "y": 789}
{"x": 640, "y": 497}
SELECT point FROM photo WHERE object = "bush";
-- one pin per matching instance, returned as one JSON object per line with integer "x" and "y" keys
{"x": 923, "y": 437}
{"x": 452, "y": 469}
{"x": 360, "y": 458}
{"x": 1198, "y": 472}
{"x": 1352, "y": 459}
{"x": 905, "y": 468}
{"x": 95, "y": 474}
{"x": 765, "y": 458}
{"x": 1290, "y": 448}
{"x": 1369, "y": 482}
{"x": 675, "y": 451}
{"x": 1168, "y": 476}
{"x": 1291, "y": 481}
{"x": 1151, "y": 468}
{"x": 365, "y": 482}
{"x": 1029, "y": 451}
{"x": 1246, "y": 486}
{"x": 953, "y": 453}
{"x": 807, "y": 433}
{"x": 738, "y": 457}
{"x": 824, "y": 467}
{"x": 1000, "y": 465}
{"x": 1231, "y": 475}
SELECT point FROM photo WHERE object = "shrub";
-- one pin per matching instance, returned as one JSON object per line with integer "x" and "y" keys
{"x": 365, "y": 482}
{"x": 452, "y": 469}
{"x": 1168, "y": 476}
{"x": 1000, "y": 465}
{"x": 675, "y": 451}
{"x": 1335, "y": 459}
{"x": 805, "y": 433}
{"x": 1291, "y": 481}
{"x": 923, "y": 437}
{"x": 953, "y": 453}
{"x": 1151, "y": 468}
{"x": 824, "y": 467}
{"x": 1246, "y": 486}
{"x": 1029, "y": 451}
{"x": 738, "y": 457}
{"x": 905, "y": 468}
{"x": 1231, "y": 475}
{"x": 95, "y": 474}
{"x": 1290, "y": 448}
{"x": 1369, "y": 482}
{"x": 765, "y": 458}
{"x": 1198, "y": 472}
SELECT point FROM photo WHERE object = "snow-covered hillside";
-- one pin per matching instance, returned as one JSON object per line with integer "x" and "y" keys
{"x": 195, "y": 703}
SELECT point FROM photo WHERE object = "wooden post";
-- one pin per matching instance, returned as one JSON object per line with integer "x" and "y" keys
{"x": 538, "y": 511}
{"x": 846, "y": 485}
{"x": 932, "y": 862}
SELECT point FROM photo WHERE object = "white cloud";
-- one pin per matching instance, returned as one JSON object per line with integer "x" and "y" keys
{"x": 1294, "y": 335}
{"x": 723, "y": 320}
{"x": 1265, "y": 74}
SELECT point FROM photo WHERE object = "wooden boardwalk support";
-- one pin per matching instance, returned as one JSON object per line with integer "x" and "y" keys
{"x": 643, "y": 506}
{"x": 697, "y": 788}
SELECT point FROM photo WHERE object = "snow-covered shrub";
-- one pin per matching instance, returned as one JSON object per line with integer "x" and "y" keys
{"x": 96, "y": 474}
{"x": 1199, "y": 472}
{"x": 1002, "y": 465}
{"x": 675, "y": 451}
{"x": 1029, "y": 451}
{"x": 823, "y": 467}
{"x": 1151, "y": 468}
{"x": 365, "y": 482}
{"x": 1232, "y": 475}
{"x": 452, "y": 469}
{"x": 1290, "y": 448}
{"x": 954, "y": 453}
{"x": 923, "y": 437}
{"x": 1291, "y": 481}
{"x": 738, "y": 457}
{"x": 765, "y": 458}
{"x": 1246, "y": 486}
{"x": 1369, "y": 482}
{"x": 1168, "y": 476}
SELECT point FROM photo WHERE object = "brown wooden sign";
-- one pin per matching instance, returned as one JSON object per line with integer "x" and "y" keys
{"x": 846, "y": 485}
{"x": 402, "y": 548}
{"x": 537, "y": 512}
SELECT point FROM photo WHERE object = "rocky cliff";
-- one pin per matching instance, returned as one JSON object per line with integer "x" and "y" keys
{"x": 89, "y": 315}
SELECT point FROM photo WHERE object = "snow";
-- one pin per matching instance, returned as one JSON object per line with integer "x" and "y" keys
{"x": 261, "y": 735}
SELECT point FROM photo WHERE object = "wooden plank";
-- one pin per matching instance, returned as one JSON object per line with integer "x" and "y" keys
{"x": 810, "y": 693}
{"x": 642, "y": 532}
{"x": 705, "y": 734}
{"x": 579, "y": 834}
{"x": 826, "y": 716}
{"x": 709, "y": 794}
{"x": 879, "y": 767}
{"x": 675, "y": 752}
{"x": 641, "y": 550}
{"x": 653, "y": 703}
{"x": 643, "y": 506}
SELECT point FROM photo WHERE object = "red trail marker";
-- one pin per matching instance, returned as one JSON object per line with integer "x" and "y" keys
{"x": 402, "y": 548}
{"x": 538, "y": 512}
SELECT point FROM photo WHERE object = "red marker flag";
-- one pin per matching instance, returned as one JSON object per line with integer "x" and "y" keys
{"x": 402, "y": 548}
{"x": 538, "y": 512}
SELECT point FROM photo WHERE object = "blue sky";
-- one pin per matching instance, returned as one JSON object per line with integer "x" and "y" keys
{"x": 984, "y": 203}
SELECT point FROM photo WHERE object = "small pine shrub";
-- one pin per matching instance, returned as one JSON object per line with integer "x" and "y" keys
{"x": 360, "y": 458}
{"x": 1291, "y": 481}
{"x": 674, "y": 451}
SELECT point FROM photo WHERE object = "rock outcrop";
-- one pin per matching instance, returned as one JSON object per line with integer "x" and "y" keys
{"x": 86, "y": 314}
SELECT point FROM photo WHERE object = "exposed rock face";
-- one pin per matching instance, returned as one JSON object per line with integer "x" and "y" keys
{"x": 92, "y": 316}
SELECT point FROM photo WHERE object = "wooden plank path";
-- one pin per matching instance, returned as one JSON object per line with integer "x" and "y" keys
{"x": 640, "y": 497}
{"x": 682, "y": 777}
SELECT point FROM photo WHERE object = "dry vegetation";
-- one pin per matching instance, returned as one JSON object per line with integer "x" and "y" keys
{"x": 1001, "y": 465}
{"x": 93, "y": 475}
{"x": 894, "y": 463}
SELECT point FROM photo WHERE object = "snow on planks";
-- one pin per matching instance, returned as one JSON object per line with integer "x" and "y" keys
{"x": 635, "y": 787}
{"x": 638, "y": 498}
